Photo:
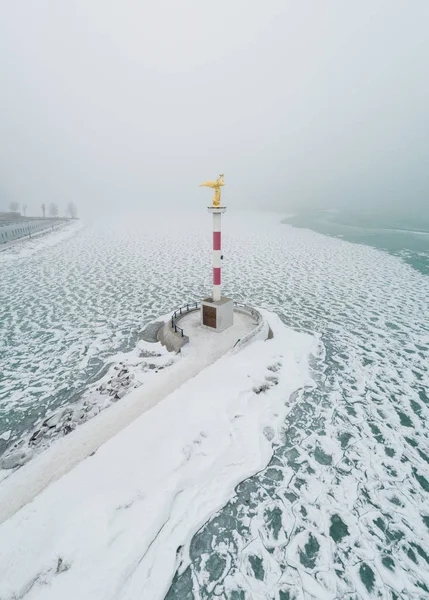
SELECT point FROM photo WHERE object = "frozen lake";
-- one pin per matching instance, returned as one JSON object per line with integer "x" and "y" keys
{"x": 342, "y": 508}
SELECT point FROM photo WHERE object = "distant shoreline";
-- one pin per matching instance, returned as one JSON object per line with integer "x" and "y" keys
{"x": 58, "y": 224}
{"x": 391, "y": 233}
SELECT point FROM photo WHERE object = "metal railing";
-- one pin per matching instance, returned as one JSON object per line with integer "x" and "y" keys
{"x": 258, "y": 321}
{"x": 181, "y": 311}
{"x": 18, "y": 229}
{"x": 248, "y": 309}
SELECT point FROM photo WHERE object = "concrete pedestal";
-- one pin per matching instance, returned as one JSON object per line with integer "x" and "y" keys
{"x": 217, "y": 316}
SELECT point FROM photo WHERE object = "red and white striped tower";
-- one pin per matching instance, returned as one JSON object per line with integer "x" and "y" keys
{"x": 217, "y": 252}
{"x": 217, "y": 312}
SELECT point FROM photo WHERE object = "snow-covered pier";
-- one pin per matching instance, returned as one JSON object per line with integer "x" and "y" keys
{"x": 110, "y": 526}
{"x": 111, "y": 507}
{"x": 185, "y": 326}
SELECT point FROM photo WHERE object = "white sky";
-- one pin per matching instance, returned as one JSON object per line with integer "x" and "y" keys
{"x": 134, "y": 103}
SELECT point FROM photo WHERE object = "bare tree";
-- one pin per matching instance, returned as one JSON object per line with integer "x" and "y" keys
{"x": 44, "y": 210}
{"x": 14, "y": 207}
{"x": 24, "y": 209}
{"x": 53, "y": 210}
{"x": 72, "y": 210}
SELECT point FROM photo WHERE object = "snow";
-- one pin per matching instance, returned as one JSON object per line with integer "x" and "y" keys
{"x": 170, "y": 371}
{"x": 26, "y": 247}
{"x": 111, "y": 527}
{"x": 68, "y": 311}
{"x": 204, "y": 343}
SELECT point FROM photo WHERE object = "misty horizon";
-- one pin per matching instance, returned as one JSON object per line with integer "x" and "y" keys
{"x": 134, "y": 105}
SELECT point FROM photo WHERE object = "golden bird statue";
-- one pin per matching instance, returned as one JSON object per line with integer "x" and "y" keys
{"x": 216, "y": 185}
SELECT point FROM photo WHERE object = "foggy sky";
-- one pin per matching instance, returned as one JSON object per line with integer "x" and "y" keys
{"x": 134, "y": 103}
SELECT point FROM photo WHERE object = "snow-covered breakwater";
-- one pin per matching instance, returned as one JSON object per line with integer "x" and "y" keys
{"x": 352, "y": 465}
{"x": 119, "y": 524}
{"x": 132, "y": 370}
{"x": 148, "y": 365}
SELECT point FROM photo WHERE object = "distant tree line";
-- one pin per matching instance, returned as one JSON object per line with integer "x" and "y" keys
{"x": 71, "y": 209}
